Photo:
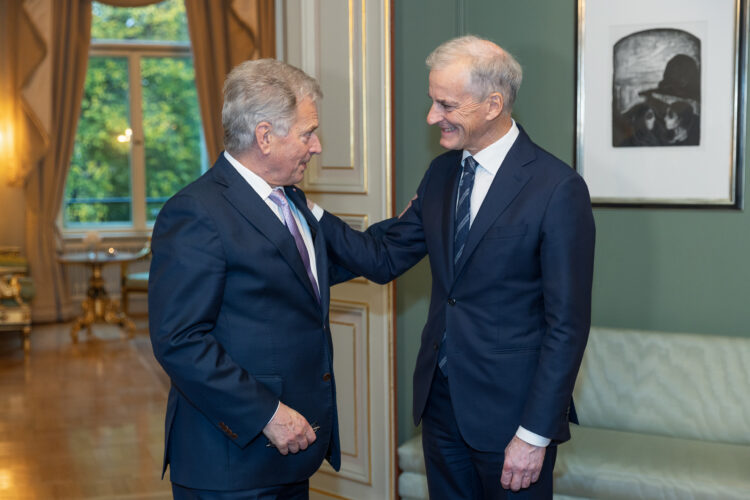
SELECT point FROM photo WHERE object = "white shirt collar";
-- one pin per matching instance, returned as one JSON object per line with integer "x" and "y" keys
{"x": 491, "y": 157}
{"x": 256, "y": 182}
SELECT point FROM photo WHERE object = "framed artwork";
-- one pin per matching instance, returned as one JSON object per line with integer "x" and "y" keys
{"x": 661, "y": 101}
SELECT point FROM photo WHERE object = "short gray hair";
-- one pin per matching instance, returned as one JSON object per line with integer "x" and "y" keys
{"x": 258, "y": 91}
{"x": 492, "y": 69}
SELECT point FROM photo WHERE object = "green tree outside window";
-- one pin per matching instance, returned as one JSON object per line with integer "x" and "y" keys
{"x": 139, "y": 118}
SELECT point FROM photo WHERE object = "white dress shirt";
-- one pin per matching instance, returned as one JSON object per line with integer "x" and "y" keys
{"x": 489, "y": 160}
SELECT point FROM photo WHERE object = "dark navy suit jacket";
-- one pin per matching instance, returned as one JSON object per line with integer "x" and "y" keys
{"x": 236, "y": 325}
{"x": 516, "y": 307}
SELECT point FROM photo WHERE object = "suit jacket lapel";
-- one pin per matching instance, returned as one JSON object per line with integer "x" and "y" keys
{"x": 508, "y": 182}
{"x": 448, "y": 216}
{"x": 256, "y": 212}
{"x": 321, "y": 256}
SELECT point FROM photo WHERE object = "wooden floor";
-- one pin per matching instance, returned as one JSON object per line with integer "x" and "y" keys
{"x": 81, "y": 421}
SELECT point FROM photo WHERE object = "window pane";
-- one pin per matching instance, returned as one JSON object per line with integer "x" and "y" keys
{"x": 171, "y": 126}
{"x": 98, "y": 185}
{"x": 164, "y": 21}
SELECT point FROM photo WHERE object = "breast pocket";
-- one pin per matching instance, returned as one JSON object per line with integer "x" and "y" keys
{"x": 513, "y": 231}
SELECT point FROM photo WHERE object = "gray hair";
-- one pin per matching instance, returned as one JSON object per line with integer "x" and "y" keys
{"x": 262, "y": 90}
{"x": 492, "y": 69}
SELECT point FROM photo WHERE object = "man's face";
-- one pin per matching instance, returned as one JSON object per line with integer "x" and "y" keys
{"x": 461, "y": 118}
{"x": 290, "y": 153}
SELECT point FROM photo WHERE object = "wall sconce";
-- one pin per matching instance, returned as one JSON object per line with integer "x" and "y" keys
{"x": 7, "y": 151}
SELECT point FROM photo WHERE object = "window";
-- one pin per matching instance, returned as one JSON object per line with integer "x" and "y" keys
{"x": 139, "y": 137}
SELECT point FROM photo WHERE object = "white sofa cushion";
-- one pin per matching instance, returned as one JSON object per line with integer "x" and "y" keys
{"x": 410, "y": 456}
{"x": 608, "y": 464}
{"x": 412, "y": 486}
{"x": 681, "y": 385}
{"x": 664, "y": 416}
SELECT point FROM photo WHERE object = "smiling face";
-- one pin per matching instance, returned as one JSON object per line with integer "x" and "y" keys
{"x": 288, "y": 155}
{"x": 464, "y": 121}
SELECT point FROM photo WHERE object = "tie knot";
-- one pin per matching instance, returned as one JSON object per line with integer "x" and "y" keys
{"x": 470, "y": 164}
{"x": 277, "y": 196}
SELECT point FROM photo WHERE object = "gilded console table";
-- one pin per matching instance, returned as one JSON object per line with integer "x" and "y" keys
{"x": 98, "y": 307}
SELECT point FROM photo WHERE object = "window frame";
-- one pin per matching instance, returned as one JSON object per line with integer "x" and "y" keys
{"x": 133, "y": 51}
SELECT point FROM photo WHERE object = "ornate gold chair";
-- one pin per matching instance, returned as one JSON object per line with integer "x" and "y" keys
{"x": 133, "y": 282}
{"x": 16, "y": 291}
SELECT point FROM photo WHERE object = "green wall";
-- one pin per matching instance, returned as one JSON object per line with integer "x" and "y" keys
{"x": 664, "y": 269}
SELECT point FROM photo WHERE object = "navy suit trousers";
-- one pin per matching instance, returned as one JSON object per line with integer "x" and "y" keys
{"x": 295, "y": 491}
{"x": 455, "y": 470}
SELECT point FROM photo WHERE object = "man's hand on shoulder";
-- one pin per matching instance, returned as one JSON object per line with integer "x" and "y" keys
{"x": 407, "y": 206}
{"x": 312, "y": 206}
{"x": 523, "y": 464}
{"x": 288, "y": 431}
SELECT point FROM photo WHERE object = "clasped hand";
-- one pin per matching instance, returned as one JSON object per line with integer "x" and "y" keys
{"x": 288, "y": 431}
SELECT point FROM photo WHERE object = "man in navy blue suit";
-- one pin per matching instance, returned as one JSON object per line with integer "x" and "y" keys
{"x": 509, "y": 232}
{"x": 238, "y": 303}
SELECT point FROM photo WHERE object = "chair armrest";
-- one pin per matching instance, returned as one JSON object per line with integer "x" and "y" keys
{"x": 142, "y": 254}
{"x": 10, "y": 288}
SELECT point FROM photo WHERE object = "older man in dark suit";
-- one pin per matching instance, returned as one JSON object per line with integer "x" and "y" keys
{"x": 238, "y": 303}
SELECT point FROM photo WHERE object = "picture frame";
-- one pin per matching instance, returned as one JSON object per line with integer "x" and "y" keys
{"x": 660, "y": 93}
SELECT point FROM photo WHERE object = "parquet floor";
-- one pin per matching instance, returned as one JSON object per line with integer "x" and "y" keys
{"x": 81, "y": 421}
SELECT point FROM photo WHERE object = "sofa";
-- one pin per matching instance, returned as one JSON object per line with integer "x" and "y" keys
{"x": 663, "y": 416}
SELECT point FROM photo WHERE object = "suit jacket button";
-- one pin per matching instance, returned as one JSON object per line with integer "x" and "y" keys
{"x": 452, "y": 301}
{"x": 435, "y": 346}
{"x": 234, "y": 436}
{"x": 326, "y": 377}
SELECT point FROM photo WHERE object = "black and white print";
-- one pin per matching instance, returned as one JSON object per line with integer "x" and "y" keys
{"x": 656, "y": 89}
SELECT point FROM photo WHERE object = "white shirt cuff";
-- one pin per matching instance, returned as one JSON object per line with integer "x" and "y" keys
{"x": 317, "y": 211}
{"x": 274, "y": 413}
{"x": 532, "y": 438}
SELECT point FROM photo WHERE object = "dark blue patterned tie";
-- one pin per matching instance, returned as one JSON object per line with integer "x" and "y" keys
{"x": 462, "y": 225}
{"x": 463, "y": 208}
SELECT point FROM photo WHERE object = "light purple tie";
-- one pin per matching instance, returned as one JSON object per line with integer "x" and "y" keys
{"x": 277, "y": 196}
